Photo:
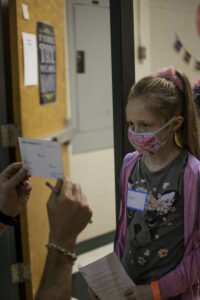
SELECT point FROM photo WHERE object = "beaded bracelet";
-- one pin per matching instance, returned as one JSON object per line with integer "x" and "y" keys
{"x": 71, "y": 256}
{"x": 155, "y": 290}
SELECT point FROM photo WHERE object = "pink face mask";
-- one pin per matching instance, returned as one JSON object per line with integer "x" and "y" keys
{"x": 148, "y": 142}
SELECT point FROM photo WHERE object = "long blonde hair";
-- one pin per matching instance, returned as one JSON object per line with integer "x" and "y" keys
{"x": 164, "y": 98}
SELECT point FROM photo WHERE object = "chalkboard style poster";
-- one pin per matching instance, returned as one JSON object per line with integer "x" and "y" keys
{"x": 47, "y": 62}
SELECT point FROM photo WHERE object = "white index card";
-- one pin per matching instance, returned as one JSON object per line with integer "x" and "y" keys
{"x": 41, "y": 158}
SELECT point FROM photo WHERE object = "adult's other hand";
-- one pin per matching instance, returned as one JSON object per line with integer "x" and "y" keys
{"x": 15, "y": 188}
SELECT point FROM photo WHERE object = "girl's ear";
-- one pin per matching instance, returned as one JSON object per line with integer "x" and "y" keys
{"x": 177, "y": 123}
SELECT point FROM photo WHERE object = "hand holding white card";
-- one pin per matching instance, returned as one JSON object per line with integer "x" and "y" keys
{"x": 107, "y": 278}
{"x": 41, "y": 158}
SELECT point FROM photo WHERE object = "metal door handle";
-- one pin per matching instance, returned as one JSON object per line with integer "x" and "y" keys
{"x": 63, "y": 136}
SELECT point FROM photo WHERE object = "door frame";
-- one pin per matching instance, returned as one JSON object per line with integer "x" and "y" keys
{"x": 122, "y": 48}
{"x": 10, "y": 242}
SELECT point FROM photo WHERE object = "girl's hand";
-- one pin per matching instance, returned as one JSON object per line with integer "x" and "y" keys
{"x": 140, "y": 292}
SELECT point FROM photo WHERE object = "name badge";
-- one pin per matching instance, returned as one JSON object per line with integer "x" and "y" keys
{"x": 136, "y": 200}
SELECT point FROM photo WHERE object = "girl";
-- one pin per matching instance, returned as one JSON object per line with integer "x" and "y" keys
{"x": 158, "y": 233}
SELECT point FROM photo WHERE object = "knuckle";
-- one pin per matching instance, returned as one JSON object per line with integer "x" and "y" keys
{"x": 68, "y": 180}
{"x": 68, "y": 196}
{"x": 69, "y": 185}
{"x": 84, "y": 198}
{"x": 77, "y": 187}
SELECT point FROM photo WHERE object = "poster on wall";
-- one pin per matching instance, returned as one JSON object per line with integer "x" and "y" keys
{"x": 46, "y": 62}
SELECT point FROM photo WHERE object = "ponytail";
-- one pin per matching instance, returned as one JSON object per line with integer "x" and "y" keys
{"x": 188, "y": 134}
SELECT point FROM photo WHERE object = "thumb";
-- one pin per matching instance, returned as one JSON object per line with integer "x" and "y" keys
{"x": 16, "y": 179}
{"x": 11, "y": 170}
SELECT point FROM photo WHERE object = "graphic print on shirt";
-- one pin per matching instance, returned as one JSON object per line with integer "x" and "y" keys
{"x": 142, "y": 230}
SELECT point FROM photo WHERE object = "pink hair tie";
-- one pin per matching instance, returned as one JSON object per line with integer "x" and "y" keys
{"x": 169, "y": 73}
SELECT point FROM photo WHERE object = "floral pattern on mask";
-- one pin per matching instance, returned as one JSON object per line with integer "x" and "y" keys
{"x": 144, "y": 144}
{"x": 148, "y": 142}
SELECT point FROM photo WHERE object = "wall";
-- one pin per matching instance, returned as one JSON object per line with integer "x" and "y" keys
{"x": 168, "y": 18}
{"x": 142, "y": 36}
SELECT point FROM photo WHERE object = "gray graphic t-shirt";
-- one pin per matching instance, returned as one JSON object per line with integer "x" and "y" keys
{"x": 155, "y": 237}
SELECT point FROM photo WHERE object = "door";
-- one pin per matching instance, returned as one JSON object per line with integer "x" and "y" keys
{"x": 37, "y": 120}
{"x": 90, "y": 74}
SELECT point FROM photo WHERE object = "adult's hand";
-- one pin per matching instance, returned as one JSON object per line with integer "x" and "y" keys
{"x": 15, "y": 188}
{"x": 140, "y": 292}
{"x": 68, "y": 213}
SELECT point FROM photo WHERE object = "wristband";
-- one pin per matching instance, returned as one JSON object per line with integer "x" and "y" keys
{"x": 7, "y": 220}
{"x": 71, "y": 256}
{"x": 155, "y": 290}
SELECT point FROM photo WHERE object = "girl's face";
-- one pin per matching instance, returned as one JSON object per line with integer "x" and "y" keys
{"x": 141, "y": 119}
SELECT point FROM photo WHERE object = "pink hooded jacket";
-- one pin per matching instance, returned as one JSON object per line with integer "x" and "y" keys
{"x": 184, "y": 278}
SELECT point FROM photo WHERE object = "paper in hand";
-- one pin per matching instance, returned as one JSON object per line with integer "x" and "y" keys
{"x": 41, "y": 158}
{"x": 107, "y": 278}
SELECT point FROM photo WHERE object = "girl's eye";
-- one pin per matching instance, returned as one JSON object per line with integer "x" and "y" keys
{"x": 141, "y": 127}
{"x": 131, "y": 125}
{"x": 145, "y": 126}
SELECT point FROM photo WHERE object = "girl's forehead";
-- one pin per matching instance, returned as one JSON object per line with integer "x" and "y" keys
{"x": 138, "y": 110}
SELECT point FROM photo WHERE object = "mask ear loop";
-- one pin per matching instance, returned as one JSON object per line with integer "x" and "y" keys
{"x": 153, "y": 132}
{"x": 165, "y": 141}
{"x": 164, "y": 126}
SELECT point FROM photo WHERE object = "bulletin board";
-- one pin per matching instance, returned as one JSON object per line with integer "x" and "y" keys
{"x": 37, "y": 121}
